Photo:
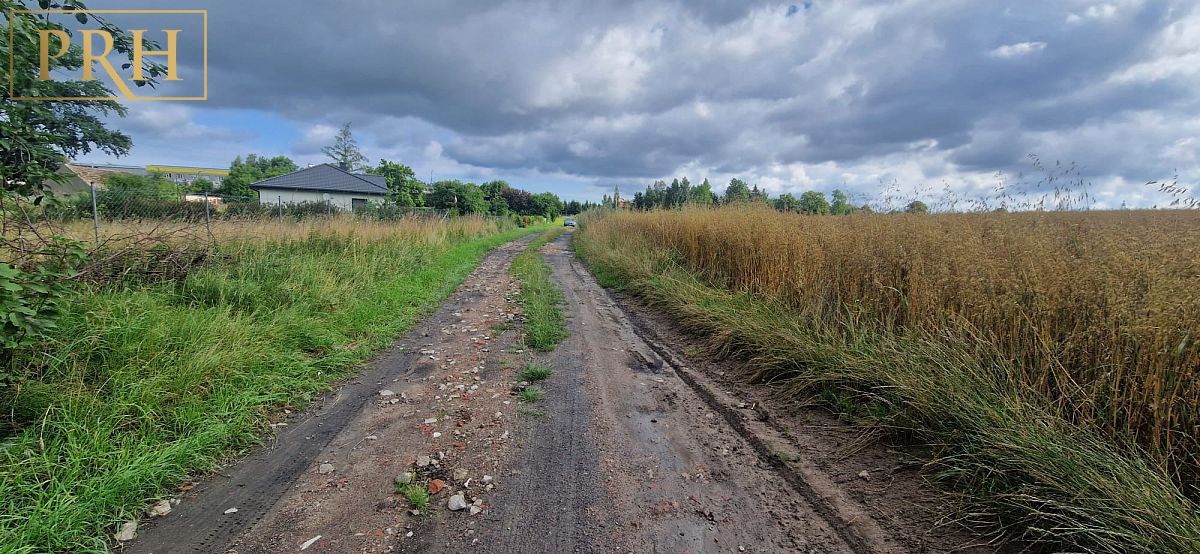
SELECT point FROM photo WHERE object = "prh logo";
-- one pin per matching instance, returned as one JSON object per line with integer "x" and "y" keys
{"x": 166, "y": 47}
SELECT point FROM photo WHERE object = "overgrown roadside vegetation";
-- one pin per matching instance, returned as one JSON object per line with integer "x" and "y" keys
{"x": 1049, "y": 359}
{"x": 541, "y": 301}
{"x": 142, "y": 385}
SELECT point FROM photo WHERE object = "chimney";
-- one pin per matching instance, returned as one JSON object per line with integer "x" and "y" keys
{"x": 343, "y": 166}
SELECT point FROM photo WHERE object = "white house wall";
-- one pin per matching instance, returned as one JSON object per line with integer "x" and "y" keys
{"x": 339, "y": 200}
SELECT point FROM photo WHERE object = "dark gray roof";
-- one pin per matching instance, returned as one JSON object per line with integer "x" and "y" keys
{"x": 326, "y": 178}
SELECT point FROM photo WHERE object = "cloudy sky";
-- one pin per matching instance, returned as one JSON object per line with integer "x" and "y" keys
{"x": 579, "y": 96}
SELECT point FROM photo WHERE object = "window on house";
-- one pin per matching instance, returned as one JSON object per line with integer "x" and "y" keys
{"x": 359, "y": 205}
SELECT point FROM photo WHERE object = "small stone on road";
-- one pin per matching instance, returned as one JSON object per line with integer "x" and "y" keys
{"x": 128, "y": 531}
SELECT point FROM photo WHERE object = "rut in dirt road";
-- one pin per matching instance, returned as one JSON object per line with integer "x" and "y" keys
{"x": 396, "y": 412}
{"x": 627, "y": 458}
{"x": 674, "y": 473}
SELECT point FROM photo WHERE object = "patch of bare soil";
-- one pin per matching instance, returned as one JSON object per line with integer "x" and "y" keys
{"x": 438, "y": 405}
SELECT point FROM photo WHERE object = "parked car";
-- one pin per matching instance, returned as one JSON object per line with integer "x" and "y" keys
{"x": 569, "y": 223}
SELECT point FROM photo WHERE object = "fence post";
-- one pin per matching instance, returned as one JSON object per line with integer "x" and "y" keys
{"x": 279, "y": 200}
{"x": 207, "y": 216}
{"x": 95, "y": 215}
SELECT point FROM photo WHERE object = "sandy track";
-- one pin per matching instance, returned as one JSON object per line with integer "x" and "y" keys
{"x": 633, "y": 449}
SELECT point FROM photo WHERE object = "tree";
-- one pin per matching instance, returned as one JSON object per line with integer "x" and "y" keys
{"x": 458, "y": 197}
{"x": 737, "y": 191}
{"x": 916, "y": 207}
{"x": 38, "y": 137}
{"x": 403, "y": 187}
{"x": 574, "y": 207}
{"x": 201, "y": 185}
{"x": 155, "y": 186}
{"x": 344, "y": 150}
{"x": 758, "y": 195}
{"x": 547, "y": 204}
{"x": 493, "y": 193}
{"x": 841, "y": 203}
{"x": 787, "y": 203}
{"x": 702, "y": 194}
{"x": 519, "y": 201}
{"x": 255, "y": 168}
{"x": 813, "y": 202}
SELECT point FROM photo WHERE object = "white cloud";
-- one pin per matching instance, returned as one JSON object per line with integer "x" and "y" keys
{"x": 608, "y": 66}
{"x": 1096, "y": 12}
{"x": 313, "y": 139}
{"x": 172, "y": 122}
{"x": 1016, "y": 50}
{"x": 1175, "y": 54}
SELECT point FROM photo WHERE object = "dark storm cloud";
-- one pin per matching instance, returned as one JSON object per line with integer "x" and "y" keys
{"x": 638, "y": 90}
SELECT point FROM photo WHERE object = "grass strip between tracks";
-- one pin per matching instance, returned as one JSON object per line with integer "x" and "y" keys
{"x": 541, "y": 300}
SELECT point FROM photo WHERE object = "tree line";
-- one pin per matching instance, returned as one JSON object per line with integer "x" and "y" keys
{"x": 681, "y": 192}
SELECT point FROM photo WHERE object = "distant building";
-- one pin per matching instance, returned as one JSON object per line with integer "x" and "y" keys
{"x": 184, "y": 174}
{"x": 81, "y": 177}
{"x": 324, "y": 183}
{"x": 94, "y": 174}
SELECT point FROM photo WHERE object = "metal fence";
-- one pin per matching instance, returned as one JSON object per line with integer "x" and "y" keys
{"x": 201, "y": 214}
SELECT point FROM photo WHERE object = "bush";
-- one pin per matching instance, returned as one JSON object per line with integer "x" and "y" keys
{"x": 115, "y": 205}
{"x": 30, "y": 297}
{"x": 246, "y": 209}
{"x": 69, "y": 208}
{"x": 301, "y": 210}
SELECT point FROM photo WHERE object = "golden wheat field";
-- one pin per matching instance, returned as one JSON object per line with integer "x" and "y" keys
{"x": 1100, "y": 311}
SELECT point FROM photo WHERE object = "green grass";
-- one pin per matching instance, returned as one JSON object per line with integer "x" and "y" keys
{"x": 417, "y": 494}
{"x": 534, "y": 372}
{"x": 996, "y": 445}
{"x": 531, "y": 394}
{"x": 156, "y": 383}
{"x": 541, "y": 301}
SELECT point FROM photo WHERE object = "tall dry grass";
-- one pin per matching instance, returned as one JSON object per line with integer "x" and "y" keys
{"x": 1099, "y": 311}
{"x": 258, "y": 230}
{"x": 1033, "y": 352}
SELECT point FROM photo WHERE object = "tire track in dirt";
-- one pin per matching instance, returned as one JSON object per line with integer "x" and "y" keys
{"x": 283, "y": 500}
{"x": 821, "y": 459}
{"x": 628, "y": 458}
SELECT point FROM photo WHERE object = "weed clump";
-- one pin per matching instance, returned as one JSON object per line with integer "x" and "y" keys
{"x": 531, "y": 394}
{"x": 535, "y": 372}
{"x": 417, "y": 495}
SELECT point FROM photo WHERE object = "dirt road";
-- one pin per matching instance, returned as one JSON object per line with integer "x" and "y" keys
{"x": 635, "y": 448}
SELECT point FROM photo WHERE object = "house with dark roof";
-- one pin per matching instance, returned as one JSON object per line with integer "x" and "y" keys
{"x": 325, "y": 183}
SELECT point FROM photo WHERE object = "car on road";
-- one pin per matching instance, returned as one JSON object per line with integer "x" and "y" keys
{"x": 569, "y": 223}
